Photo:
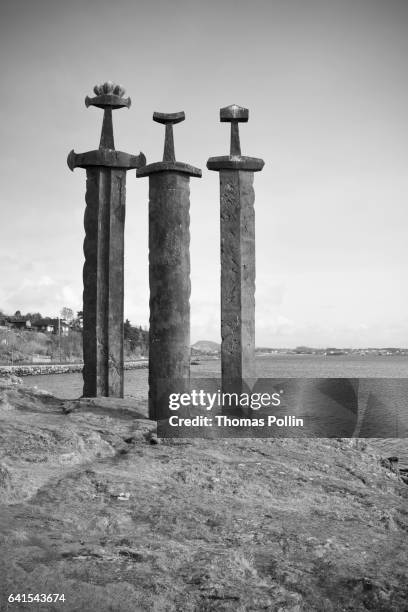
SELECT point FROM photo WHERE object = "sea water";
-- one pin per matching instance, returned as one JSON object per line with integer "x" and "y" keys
{"x": 69, "y": 386}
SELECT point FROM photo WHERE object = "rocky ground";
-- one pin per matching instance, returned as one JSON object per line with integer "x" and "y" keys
{"x": 92, "y": 507}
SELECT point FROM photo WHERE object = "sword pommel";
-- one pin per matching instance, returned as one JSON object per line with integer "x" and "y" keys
{"x": 108, "y": 95}
{"x": 169, "y": 119}
{"x": 234, "y": 113}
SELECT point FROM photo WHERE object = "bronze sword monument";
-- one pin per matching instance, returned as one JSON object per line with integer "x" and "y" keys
{"x": 103, "y": 274}
{"x": 169, "y": 271}
{"x": 237, "y": 256}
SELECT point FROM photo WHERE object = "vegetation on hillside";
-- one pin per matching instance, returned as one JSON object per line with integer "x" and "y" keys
{"x": 19, "y": 346}
{"x": 136, "y": 340}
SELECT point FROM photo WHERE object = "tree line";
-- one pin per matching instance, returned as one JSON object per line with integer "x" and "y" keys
{"x": 136, "y": 339}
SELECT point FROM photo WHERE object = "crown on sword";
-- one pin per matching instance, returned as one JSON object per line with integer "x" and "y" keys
{"x": 108, "y": 95}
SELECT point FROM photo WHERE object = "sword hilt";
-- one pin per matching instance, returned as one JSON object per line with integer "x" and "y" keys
{"x": 234, "y": 114}
{"x": 109, "y": 97}
{"x": 169, "y": 119}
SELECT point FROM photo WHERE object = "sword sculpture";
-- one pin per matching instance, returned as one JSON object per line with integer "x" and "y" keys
{"x": 237, "y": 256}
{"x": 169, "y": 271}
{"x": 103, "y": 274}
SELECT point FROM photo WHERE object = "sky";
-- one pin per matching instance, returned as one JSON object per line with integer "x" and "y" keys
{"x": 326, "y": 84}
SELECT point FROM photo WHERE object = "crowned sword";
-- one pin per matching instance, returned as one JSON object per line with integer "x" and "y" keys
{"x": 103, "y": 273}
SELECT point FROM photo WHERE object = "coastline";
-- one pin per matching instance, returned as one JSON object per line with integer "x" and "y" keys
{"x": 59, "y": 368}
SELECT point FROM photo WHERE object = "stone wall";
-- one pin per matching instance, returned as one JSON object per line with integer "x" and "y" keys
{"x": 36, "y": 370}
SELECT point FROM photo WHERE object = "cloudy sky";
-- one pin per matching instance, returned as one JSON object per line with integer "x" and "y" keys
{"x": 326, "y": 82}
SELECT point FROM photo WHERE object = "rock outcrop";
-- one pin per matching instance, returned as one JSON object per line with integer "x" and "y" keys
{"x": 92, "y": 508}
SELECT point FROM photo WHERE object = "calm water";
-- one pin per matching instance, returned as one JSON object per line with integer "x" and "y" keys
{"x": 69, "y": 386}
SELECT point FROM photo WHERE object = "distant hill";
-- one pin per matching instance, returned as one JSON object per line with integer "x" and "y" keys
{"x": 206, "y": 346}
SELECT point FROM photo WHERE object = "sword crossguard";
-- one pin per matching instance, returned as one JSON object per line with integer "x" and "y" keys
{"x": 169, "y": 119}
{"x": 234, "y": 114}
